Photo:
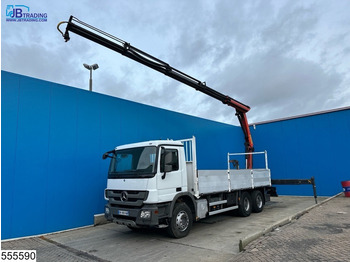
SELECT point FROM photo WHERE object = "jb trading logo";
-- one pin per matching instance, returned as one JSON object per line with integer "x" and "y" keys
{"x": 20, "y": 13}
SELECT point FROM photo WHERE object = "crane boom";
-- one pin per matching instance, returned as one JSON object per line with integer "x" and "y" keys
{"x": 98, "y": 36}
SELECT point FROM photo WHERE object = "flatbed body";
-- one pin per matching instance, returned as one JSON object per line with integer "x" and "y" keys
{"x": 213, "y": 181}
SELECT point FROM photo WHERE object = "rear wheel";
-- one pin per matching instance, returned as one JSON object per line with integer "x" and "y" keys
{"x": 257, "y": 201}
{"x": 245, "y": 205}
{"x": 181, "y": 221}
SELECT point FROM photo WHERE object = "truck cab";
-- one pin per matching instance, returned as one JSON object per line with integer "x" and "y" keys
{"x": 144, "y": 179}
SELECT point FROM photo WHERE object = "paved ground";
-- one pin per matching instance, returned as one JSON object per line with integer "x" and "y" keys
{"x": 322, "y": 234}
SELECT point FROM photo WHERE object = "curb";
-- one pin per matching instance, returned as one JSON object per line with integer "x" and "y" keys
{"x": 245, "y": 241}
{"x": 99, "y": 219}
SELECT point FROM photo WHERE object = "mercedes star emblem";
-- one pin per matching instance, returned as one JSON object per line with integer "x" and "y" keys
{"x": 124, "y": 196}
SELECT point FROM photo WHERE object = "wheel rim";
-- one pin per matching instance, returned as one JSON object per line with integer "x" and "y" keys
{"x": 246, "y": 204}
{"x": 182, "y": 221}
{"x": 259, "y": 201}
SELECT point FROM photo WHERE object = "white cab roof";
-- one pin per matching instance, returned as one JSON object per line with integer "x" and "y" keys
{"x": 150, "y": 143}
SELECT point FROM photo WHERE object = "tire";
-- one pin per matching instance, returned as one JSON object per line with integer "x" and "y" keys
{"x": 181, "y": 221}
{"x": 257, "y": 201}
{"x": 245, "y": 205}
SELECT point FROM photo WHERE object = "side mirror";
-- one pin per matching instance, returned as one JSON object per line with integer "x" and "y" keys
{"x": 163, "y": 166}
{"x": 168, "y": 168}
{"x": 107, "y": 154}
{"x": 168, "y": 161}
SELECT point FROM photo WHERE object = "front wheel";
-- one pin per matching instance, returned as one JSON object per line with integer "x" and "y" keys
{"x": 181, "y": 221}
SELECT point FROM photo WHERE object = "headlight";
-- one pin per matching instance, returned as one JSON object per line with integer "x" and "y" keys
{"x": 145, "y": 214}
{"x": 107, "y": 210}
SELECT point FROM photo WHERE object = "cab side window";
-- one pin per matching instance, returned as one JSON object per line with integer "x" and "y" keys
{"x": 169, "y": 160}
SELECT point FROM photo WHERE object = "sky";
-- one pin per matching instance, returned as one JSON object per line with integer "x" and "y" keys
{"x": 282, "y": 58}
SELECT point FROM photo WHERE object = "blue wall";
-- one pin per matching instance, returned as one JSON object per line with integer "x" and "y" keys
{"x": 53, "y": 137}
{"x": 316, "y": 146}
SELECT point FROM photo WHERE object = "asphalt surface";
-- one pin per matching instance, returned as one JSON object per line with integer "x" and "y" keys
{"x": 289, "y": 229}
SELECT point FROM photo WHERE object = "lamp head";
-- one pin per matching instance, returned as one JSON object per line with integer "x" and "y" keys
{"x": 89, "y": 67}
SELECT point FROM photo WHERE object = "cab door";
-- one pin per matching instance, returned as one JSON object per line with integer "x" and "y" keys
{"x": 169, "y": 177}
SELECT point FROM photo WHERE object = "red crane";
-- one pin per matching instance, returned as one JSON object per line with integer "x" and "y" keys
{"x": 96, "y": 35}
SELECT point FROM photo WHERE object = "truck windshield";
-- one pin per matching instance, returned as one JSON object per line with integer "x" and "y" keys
{"x": 136, "y": 162}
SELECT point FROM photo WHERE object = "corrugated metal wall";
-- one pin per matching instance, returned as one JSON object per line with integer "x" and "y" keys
{"x": 315, "y": 145}
{"x": 53, "y": 137}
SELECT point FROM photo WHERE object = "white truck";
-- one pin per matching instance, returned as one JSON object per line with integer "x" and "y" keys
{"x": 157, "y": 184}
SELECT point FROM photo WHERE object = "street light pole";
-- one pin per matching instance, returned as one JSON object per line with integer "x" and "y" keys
{"x": 90, "y": 81}
{"x": 90, "y": 67}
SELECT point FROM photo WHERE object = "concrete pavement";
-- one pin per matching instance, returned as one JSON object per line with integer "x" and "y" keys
{"x": 213, "y": 239}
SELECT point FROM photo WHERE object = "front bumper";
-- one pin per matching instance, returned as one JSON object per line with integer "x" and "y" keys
{"x": 131, "y": 216}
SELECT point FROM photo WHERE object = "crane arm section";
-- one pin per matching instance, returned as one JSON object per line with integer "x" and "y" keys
{"x": 98, "y": 36}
